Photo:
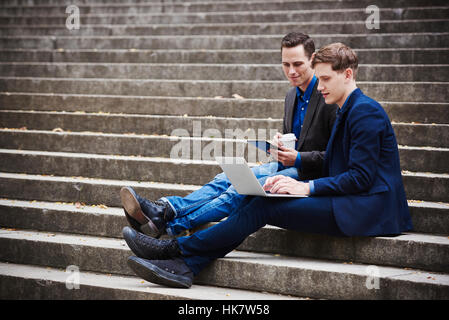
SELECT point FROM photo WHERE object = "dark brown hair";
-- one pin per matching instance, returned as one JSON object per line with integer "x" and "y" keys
{"x": 339, "y": 55}
{"x": 294, "y": 39}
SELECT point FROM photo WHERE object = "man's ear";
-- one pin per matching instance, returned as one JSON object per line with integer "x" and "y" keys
{"x": 312, "y": 57}
{"x": 349, "y": 74}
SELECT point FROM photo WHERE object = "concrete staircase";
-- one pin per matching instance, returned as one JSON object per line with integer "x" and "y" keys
{"x": 85, "y": 112}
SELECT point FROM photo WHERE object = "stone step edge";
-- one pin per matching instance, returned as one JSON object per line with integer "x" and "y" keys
{"x": 273, "y": 36}
{"x": 101, "y": 209}
{"x": 168, "y": 160}
{"x": 241, "y": 259}
{"x": 208, "y": 81}
{"x": 107, "y": 286}
{"x": 189, "y": 117}
{"x": 180, "y": 161}
{"x": 44, "y": 94}
{"x": 310, "y": 11}
{"x": 224, "y": 99}
{"x": 196, "y": 65}
{"x": 95, "y": 181}
{"x": 166, "y": 137}
{"x": 159, "y": 4}
{"x": 158, "y": 185}
{"x": 198, "y": 50}
{"x": 221, "y": 24}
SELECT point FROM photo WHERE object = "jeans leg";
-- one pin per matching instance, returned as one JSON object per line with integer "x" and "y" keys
{"x": 212, "y": 202}
{"x": 185, "y": 205}
{"x": 312, "y": 214}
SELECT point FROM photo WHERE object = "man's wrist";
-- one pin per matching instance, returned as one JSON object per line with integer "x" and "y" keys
{"x": 311, "y": 187}
{"x": 298, "y": 161}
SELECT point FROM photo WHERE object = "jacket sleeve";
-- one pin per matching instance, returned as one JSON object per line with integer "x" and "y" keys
{"x": 366, "y": 125}
{"x": 312, "y": 161}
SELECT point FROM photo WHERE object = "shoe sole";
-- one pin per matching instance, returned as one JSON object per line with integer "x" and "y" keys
{"x": 154, "y": 274}
{"x": 133, "y": 209}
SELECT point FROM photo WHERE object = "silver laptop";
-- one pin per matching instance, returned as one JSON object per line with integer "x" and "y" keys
{"x": 244, "y": 180}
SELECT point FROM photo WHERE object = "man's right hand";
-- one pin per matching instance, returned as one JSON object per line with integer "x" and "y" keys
{"x": 276, "y": 138}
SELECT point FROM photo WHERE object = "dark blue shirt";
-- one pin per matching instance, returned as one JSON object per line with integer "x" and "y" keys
{"x": 303, "y": 99}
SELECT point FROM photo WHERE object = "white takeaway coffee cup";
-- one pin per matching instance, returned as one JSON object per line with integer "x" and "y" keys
{"x": 288, "y": 140}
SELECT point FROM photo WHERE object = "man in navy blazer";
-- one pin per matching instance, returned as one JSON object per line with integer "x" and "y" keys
{"x": 360, "y": 194}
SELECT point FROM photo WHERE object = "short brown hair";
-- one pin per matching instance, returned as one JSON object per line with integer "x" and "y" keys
{"x": 294, "y": 39}
{"x": 339, "y": 55}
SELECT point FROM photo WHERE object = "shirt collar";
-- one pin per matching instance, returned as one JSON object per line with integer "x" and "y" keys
{"x": 344, "y": 106}
{"x": 308, "y": 93}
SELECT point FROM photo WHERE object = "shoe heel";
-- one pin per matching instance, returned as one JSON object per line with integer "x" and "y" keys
{"x": 132, "y": 206}
{"x": 150, "y": 230}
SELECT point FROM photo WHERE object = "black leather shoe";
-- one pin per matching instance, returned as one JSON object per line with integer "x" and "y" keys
{"x": 172, "y": 273}
{"x": 145, "y": 216}
{"x": 150, "y": 248}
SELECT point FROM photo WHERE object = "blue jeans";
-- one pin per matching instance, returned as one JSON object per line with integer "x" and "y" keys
{"x": 312, "y": 215}
{"x": 217, "y": 199}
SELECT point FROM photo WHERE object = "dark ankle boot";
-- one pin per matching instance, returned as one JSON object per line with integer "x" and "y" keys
{"x": 172, "y": 273}
{"x": 145, "y": 216}
{"x": 150, "y": 248}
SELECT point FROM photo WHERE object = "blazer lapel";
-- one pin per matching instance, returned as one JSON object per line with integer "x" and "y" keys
{"x": 338, "y": 121}
{"x": 291, "y": 105}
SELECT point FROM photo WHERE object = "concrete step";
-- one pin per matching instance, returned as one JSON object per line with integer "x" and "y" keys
{"x": 417, "y": 134}
{"x": 327, "y": 279}
{"x": 173, "y": 18}
{"x": 415, "y": 159}
{"x": 109, "y": 256}
{"x": 82, "y": 189}
{"x": 109, "y": 167}
{"x": 193, "y": 106}
{"x": 332, "y": 26}
{"x": 367, "y": 72}
{"x": 237, "y": 56}
{"x": 99, "y": 220}
{"x": 428, "y": 217}
{"x": 356, "y": 41}
{"x": 418, "y": 186}
{"x": 132, "y": 2}
{"x": 214, "y": 6}
{"x": 428, "y": 135}
{"x": 406, "y": 250}
{"x": 99, "y": 2}
{"x": 426, "y": 186}
{"x": 259, "y": 89}
{"x": 29, "y": 282}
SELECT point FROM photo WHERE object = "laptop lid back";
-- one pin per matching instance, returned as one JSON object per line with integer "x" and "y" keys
{"x": 240, "y": 175}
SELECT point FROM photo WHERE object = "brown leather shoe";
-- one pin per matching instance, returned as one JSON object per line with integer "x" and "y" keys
{"x": 145, "y": 216}
{"x": 132, "y": 206}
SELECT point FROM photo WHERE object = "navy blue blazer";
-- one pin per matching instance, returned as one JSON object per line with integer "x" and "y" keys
{"x": 362, "y": 171}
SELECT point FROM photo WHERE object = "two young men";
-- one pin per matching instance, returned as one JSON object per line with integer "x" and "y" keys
{"x": 305, "y": 113}
{"x": 360, "y": 191}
